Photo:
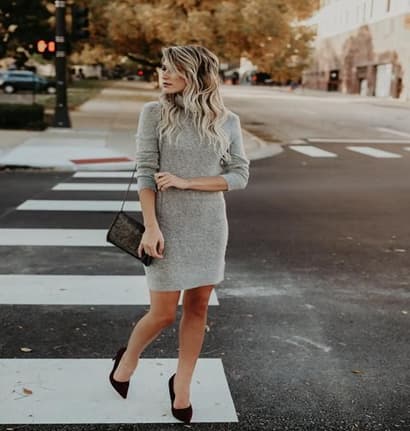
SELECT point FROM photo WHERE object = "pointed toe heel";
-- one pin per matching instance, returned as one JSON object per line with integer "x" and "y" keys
{"x": 184, "y": 414}
{"x": 120, "y": 387}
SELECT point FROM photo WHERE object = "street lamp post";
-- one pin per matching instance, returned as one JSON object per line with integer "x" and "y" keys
{"x": 61, "y": 115}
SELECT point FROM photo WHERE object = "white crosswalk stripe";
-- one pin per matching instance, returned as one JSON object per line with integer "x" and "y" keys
{"x": 55, "y": 237}
{"x": 68, "y": 391}
{"x": 312, "y": 151}
{"x": 362, "y": 141}
{"x": 103, "y": 174}
{"x": 71, "y": 205}
{"x": 94, "y": 187}
{"x": 77, "y": 289}
{"x": 374, "y": 152}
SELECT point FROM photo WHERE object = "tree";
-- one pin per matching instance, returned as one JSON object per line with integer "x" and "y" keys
{"x": 262, "y": 30}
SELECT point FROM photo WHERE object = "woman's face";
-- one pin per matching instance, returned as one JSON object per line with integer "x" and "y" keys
{"x": 171, "y": 82}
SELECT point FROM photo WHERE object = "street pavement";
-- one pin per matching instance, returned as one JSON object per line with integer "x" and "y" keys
{"x": 308, "y": 331}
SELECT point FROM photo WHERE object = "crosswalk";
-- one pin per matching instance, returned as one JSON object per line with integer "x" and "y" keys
{"x": 314, "y": 151}
{"x": 76, "y": 390}
{"x": 78, "y": 205}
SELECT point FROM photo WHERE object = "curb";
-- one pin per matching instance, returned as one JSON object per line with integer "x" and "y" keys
{"x": 75, "y": 149}
{"x": 259, "y": 149}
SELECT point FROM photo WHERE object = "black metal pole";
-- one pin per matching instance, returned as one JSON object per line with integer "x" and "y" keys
{"x": 61, "y": 115}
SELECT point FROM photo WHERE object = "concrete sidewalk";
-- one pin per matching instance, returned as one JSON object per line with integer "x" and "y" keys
{"x": 355, "y": 98}
{"x": 102, "y": 136}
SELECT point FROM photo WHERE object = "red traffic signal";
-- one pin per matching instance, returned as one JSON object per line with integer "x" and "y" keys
{"x": 51, "y": 46}
{"x": 47, "y": 48}
{"x": 41, "y": 46}
{"x": 44, "y": 46}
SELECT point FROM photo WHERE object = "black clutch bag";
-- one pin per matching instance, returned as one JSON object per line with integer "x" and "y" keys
{"x": 125, "y": 232}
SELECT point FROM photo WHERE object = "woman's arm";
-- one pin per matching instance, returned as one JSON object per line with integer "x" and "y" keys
{"x": 147, "y": 201}
{"x": 214, "y": 183}
{"x": 236, "y": 173}
{"x": 147, "y": 156}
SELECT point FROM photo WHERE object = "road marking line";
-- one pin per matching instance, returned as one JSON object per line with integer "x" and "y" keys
{"x": 100, "y": 160}
{"x": 74, "y": 391}
{"x": 94, "y": 186}
{"x": 71, "y": 205}
{"x": 313, "y": 343}
{"x": 55, "y": 237}
{"x": 394, "y": 132}
{"x": 311, "y": 151}
{"x": 369, "y": 151}
{"x": 356, "y": 141}
{"x": 102, "y": 174}
{"x": 77, "y": 289}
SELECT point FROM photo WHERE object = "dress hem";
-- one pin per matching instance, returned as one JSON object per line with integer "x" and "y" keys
{"x": 187, "y": 288}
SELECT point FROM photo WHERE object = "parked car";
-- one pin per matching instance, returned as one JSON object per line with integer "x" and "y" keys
{"x": 261, "y": 78}
{"x": 25, "y": 80}
{"x": 133, "y": 77}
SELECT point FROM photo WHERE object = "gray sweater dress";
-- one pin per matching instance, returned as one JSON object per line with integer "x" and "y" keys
{"x": 193, "y": 222}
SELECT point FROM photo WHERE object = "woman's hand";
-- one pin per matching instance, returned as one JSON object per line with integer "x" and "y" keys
{"x": 152, "y": 242}
{"x": 166, "y": 179}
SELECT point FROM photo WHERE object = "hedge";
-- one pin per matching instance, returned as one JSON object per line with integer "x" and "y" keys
{"x": 22, "y": 116}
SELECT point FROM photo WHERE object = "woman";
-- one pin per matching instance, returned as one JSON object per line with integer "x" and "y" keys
{"x": 189, "y": 151}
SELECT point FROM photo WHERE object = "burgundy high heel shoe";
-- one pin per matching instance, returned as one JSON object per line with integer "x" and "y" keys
{"x": 120, "y": 387}
{"x": 184, "y": 414}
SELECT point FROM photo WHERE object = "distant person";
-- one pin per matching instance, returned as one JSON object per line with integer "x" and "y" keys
{"x": 235, "y": 78}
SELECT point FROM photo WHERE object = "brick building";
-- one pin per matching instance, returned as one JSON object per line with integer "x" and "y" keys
{"x": 362, "y": 47}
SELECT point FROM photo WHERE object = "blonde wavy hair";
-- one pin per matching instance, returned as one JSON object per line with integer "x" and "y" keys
{"x": 201, "y": 97}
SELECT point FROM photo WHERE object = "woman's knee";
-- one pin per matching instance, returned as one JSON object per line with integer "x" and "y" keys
{"x": 164, "y": 307}
{"x": 162, "y": 319}
{"x": 196, "y": 302}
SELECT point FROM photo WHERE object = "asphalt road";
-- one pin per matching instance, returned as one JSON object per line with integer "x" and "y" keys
{"x": 283, "y": 116}
{"x": 313, "y": 317}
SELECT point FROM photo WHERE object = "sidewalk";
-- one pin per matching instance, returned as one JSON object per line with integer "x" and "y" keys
{"x": 355, "y": 98}
{"x": 102, "y": 136}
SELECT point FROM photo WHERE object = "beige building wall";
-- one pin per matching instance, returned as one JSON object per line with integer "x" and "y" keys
{"x": 372, "y": 59}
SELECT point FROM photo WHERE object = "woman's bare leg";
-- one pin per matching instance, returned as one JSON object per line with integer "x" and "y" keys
{"x": 162, "y": 313}
{"x": 191, "y": 337}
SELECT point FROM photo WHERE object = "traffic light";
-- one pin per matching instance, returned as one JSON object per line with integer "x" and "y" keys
{"x": 46, "y": 48}
{"x": 79, "y": 23}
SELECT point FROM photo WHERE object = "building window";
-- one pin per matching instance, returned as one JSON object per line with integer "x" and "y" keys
{"x": 371, "y": 8}
{"x": 388, "y": 5}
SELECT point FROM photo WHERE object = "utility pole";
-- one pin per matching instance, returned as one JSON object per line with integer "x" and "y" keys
{"x": 61, "y": 115}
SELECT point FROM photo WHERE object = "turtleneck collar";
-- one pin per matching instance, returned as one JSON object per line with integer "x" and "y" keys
{"x": 179, "y": 100}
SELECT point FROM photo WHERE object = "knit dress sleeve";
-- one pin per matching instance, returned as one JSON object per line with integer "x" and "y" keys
{"x": 236, "y": 172}
{"x": 147, "y": 152}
